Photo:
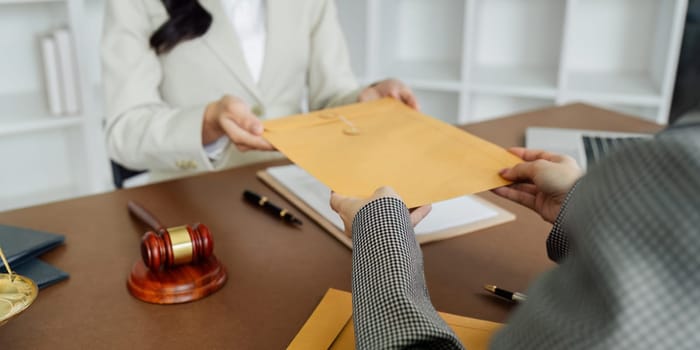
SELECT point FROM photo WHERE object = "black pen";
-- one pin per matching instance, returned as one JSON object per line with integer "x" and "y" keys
{"x": 263, "y": 202}
{"x": 514, "y": 296}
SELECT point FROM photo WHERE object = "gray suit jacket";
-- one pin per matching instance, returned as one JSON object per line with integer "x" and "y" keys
{"x": 155, "y": 103}
{"x": 628, "y": 243}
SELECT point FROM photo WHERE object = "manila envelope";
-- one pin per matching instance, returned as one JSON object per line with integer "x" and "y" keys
{"x": 357, "y": 148}
{"x": 330, "y": 326}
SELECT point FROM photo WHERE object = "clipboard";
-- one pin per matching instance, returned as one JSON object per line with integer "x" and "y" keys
{"x": 330, "y": 326}
{"x": 300, "y": 188}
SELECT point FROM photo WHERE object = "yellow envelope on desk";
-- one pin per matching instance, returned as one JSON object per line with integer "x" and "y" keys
{"x": 330, "y": 326}
{"x": 357, "y": 148}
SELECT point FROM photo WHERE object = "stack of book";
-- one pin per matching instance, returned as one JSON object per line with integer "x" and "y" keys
{"x": 23, "y": 246}
{"x": 60, "y": 72}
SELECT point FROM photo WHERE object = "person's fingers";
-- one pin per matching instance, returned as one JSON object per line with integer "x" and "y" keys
{"x": 336, "y": 200}
{"x": 369, "y": 94}
{"x": 408, "y": 98}
{"x": 244, "y": 148}
{"x": 375, "y": 95}
{"x": 517, "y": 151}
{"x": 525, "y": 187}
{"x": 242, "y": 138}
{"x": 255, "y": 126}
{"x": 240, "y": 112}
{"x": 339, "y": 203}
{"x": 399, "y": 92}
{"x": 418, "y": 214}
{"x": 522, "y": 171}
{"x": 384, "y": 191}
{"x": 529, "y": 155}
{"x": 520, "y": 197}
{"x": 248, "y": 122}
{"x": 347, "y": 208}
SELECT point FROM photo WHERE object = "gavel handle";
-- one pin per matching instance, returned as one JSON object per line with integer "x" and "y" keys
{"x": 145, "y": 216}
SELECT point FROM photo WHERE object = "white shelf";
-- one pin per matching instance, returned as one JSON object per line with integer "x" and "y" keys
{"x": 412, "y": 44}
{"x": 51, "y": 157}
{"x": 435, "y": 85}
{"x": 41, "y": 162}
{"x": 495, "y": 57}
{"x": 440, "y": 105}
{"x": 631, "y": 88}
{"x": 487, "y": 106}
{"x": 526, "y": 82}
{"x": 648, "y": 113}
{"x": 39, "y": 125}
{"x": 94, "y": 17}
{"x": 354, "y": 21}
{"x": 618, "y": 37}
{"x": 24, "y": 2}
{"x": 610, "y": 35}
{"x": 20, "y": 27}
{"x": 623, "y": 52}
{"x": 26, "y": 112}
{"x": 428, "y": 72}
{"x": 517, "y": 33}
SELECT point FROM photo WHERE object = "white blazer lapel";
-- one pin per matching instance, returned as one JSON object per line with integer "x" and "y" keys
{"x": 274, "y": 42}
{"x": 224, "y": 42}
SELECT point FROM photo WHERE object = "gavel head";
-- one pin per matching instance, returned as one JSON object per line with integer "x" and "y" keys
{"x": 176, "y": 245}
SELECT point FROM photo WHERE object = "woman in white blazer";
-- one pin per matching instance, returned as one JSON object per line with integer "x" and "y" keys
{"x": 180, "y": 75}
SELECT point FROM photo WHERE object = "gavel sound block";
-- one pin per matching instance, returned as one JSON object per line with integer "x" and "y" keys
{"x": 177, "y": 265}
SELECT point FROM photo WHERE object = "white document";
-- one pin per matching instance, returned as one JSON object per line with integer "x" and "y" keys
{"x": 68, "y": 71}
{"x": 446, "y": 214}
{"x": 51, "y": 77}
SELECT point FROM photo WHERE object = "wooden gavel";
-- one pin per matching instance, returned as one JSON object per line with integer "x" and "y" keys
{"x": 177, "y": 264}
{"x": 169, "y": 247}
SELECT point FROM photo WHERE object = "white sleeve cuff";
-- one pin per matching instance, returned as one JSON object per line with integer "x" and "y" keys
{"x": 216, "y": 149}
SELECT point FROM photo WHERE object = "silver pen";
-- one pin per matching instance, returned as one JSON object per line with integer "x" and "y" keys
{"x": 514, "y": 296}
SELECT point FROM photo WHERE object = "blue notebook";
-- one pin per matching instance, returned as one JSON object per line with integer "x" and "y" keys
{"x": 22, "y": 244}
{"x": 41, "y": 273}
{"x": 21, "y": 247}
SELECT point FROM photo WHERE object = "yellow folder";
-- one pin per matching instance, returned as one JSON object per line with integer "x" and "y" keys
{"x": 357, "y": 148}
{"x": 330, "y": 326}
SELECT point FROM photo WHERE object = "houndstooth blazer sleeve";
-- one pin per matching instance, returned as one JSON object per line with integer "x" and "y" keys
{"x": 391, "y": 305}
{"x": 629, "y": 281}
{"x": 558, "y": 241}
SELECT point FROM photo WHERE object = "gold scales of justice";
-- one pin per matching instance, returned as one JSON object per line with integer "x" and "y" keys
{"x": 16, "y": 292}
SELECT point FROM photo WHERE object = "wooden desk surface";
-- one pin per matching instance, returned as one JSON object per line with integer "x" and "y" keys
{"x": 277, "y": 274}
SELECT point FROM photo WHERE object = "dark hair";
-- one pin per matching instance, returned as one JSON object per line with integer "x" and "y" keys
{"x": 188, "y": 20}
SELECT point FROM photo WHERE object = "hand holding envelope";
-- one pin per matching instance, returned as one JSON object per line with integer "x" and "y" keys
{"x": 357, "y": 148}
